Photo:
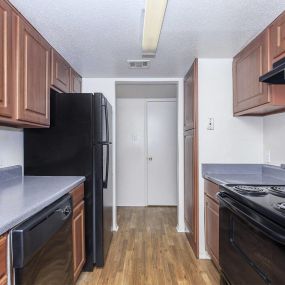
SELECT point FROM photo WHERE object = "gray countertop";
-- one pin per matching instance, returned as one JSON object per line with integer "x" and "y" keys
{"x": 244, "y": 174}
{"x": 23, "y": 196}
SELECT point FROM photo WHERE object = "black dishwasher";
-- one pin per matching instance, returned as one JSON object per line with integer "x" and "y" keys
{"x": 42, "y": 247}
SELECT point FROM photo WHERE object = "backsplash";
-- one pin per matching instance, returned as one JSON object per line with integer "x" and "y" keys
{"x": 274, "y": 139}
{"x": 11, "y": 146}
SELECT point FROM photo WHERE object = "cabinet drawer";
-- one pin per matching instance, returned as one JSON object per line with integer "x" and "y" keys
{"x": 77, "y": 195}
{"x": 211, "y": 189}
{"x": 3, "y": 260}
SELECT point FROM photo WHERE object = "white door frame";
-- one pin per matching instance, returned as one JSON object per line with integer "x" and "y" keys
{"x": 146, "y": 145}
{"x": 180, "y": 147}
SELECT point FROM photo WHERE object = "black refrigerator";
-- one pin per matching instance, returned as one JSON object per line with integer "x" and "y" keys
{"x": 79, "y": 142}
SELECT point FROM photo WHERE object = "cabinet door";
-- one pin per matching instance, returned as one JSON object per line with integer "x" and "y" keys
{"x": 277, "y": 38}
{"x": 212, "y": 229}
{"x": 60, "y": 73}
{"x": 248, "y": 65}
{"x": 190, "y": 87}
{"x": 78, "y": 239}
{"x": 75, "y": 82}
{"x": 5, "y": 59}
{"x": 3, "y": 260}
{"x": 32, "y": 68}
{"x": 190, "y": 190}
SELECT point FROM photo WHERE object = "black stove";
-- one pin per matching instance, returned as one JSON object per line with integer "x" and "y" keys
{"x": 268, "y": 200}
{"x": 252, "y": 234}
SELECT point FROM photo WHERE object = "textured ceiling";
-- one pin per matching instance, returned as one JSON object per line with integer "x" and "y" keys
{"x": 98, "y": 36}
{"x": 148, "y": 91}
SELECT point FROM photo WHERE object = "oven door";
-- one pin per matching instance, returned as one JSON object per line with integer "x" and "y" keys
{"x": 252, "y": 247}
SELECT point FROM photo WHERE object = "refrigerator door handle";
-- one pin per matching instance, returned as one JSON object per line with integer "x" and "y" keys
{"x": 106, "y": 121}
{"x": 105, "y": 180}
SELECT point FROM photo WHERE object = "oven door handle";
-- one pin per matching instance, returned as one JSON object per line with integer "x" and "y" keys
{"x": 261, "y": 223}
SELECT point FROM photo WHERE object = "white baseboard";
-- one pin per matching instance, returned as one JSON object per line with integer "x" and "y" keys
{"x": 115, "y": 228}
{"x": 204, "y": 255}
{"x": 180, "y": 229}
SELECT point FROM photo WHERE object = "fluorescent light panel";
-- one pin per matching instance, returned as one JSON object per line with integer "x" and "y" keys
{"x": 153, "y": 19}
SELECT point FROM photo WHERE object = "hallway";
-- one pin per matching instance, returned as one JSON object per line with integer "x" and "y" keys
{"x": 148, "y": 250}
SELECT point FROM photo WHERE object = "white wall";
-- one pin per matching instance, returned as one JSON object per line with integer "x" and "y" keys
{"x": 234, "y": 140}
{"x": 108, "y": 87}
{"x": 274, "y": 139}
{"x": 131, "y": 152}
{"x": 11, "y": 146}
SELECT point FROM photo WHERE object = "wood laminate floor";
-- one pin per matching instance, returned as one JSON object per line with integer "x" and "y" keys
{"x": 147, "y": 249}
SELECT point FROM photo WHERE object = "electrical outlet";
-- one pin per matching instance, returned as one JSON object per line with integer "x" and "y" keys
{"x": 268, "y": 156}
{"x": 211, "y": 124}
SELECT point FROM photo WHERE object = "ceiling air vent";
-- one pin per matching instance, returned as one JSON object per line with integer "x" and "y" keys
{"x": 138, "y": 64}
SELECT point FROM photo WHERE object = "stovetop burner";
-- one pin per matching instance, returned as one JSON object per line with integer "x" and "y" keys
{"x": 251, "y": 189}
{"x": 278, "y": 190}
{"x": 280, "y": 206}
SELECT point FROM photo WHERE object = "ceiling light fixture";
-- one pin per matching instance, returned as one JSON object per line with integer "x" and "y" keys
{"x": 153, "y": 19}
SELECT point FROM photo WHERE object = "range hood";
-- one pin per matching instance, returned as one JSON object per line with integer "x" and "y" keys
{"x": 276, "y": 75}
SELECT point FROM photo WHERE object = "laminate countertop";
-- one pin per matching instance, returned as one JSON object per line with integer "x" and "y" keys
{"x": 23, "y": 196}
{"x": 256, "y": 174}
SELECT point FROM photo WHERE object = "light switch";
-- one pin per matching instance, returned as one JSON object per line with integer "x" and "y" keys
{"x": 211, "y": 124}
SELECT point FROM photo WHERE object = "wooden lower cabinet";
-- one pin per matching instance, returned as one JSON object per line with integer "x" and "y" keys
{"x": 212, "y": 221}
{"x": 78, "y": 230}
{"x": 191, "y": 189}
{"x": 3, "y": 260}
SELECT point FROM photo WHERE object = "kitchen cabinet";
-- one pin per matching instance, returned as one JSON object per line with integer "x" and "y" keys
{"x": 32, "y": 69}
{"x": 75, "y": 82}
{"x": 212, "y": 221}
{"x": 190, "y": 88}
{"x": 29, "y": 67}
{"x": 190, "y": 190}
{"x": 60, "y": 72}
{"x": 248, "y": 65}
{"x": 277, "y": 39}
{"x": 78, "y": 230}
{"x": 3, "y": 260}
{"x": 6, "y": 109}
{"x": 252, "y": 97}
{"x": 191, "y": 156}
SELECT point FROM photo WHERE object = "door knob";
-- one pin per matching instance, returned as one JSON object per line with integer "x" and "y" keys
{"x": 150, "y": 158}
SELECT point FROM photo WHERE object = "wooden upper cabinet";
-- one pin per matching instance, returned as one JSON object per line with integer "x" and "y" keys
{"x": 190, "y": 87}
{"x": 60, "y": 72}
{"x": 248, "y": 65}
{"x": 75, "y": 82}
{"x": 277, "y": 38}
{"x": 5, "y": 60}
{"x": 252, "y": 97}
{"x": 32, "y": 73}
